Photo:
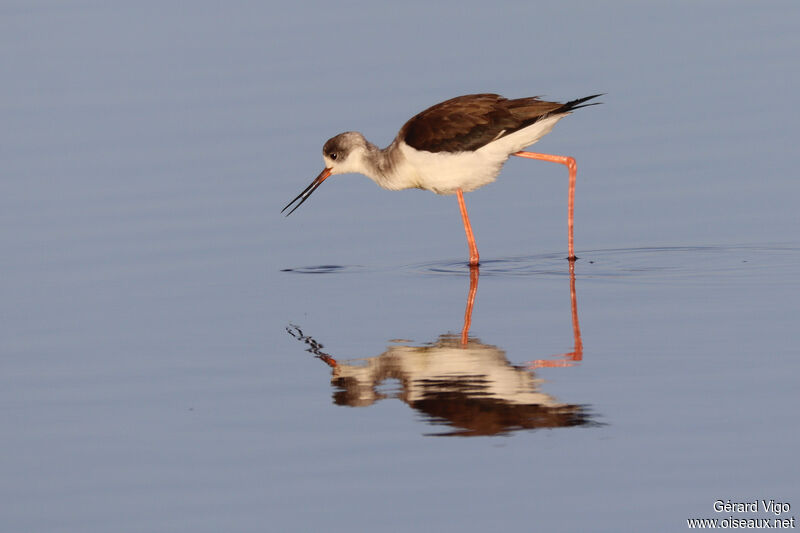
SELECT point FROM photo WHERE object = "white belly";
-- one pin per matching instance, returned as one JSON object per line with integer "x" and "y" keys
{"x": 445, "y": 172}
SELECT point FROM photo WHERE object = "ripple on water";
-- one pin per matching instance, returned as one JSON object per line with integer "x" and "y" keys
{"x": 689, "y": 264}
{"x": 682, "y": 264}
{"x": 542, "y": 264}
{"x": 694, "y": 264}
{"x": 324, "y": 269}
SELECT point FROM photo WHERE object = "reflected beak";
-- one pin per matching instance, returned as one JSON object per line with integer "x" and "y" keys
{"x": 307, "y": 192}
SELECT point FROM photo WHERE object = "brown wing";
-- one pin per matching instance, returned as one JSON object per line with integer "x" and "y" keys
{"x": 471, "y": 121}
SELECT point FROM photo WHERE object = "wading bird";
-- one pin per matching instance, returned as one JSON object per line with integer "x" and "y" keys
{"x": 453, "y": 147}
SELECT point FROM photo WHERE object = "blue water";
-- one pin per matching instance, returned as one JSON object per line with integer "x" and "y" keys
{"x": 176, "y": 355}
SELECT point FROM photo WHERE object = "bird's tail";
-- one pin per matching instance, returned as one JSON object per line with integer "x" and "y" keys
{"x": 577, "y": 104}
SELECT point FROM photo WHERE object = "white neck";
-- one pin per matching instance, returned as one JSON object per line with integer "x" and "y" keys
{"x": 384, "y": 166}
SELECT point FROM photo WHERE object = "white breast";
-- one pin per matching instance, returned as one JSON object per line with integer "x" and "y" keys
{"x": 445, "y": 172}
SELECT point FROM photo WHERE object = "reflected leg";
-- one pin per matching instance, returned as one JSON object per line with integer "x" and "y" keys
{"x": 474, "y": 273}
{"x": 577, "y": 351}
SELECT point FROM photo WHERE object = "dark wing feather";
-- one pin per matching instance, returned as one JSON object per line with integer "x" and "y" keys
{"x": 474, "y": 120}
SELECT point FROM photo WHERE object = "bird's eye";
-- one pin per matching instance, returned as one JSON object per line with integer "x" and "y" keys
{"x": 333, "y": 155}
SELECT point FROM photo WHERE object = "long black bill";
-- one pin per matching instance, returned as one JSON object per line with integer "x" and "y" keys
{"x": 307, "y": 192}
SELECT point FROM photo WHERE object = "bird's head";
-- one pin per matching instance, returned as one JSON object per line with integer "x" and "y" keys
{"x": 342, "y": 154}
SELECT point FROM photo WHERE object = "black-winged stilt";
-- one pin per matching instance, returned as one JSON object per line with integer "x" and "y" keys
{"x": 453, "y": 147}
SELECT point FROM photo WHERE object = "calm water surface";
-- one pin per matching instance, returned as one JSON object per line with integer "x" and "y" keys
{"x": 175, "y": 355}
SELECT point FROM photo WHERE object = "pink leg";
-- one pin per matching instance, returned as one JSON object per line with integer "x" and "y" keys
{"x": 474, "y": 273}
{"x": 577, "y": 352}
{"x": 473, "y": 248}
{"x": 573, "y": 171}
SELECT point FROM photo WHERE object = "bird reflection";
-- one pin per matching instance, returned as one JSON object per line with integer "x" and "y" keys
{"x": 458, "y": 381}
